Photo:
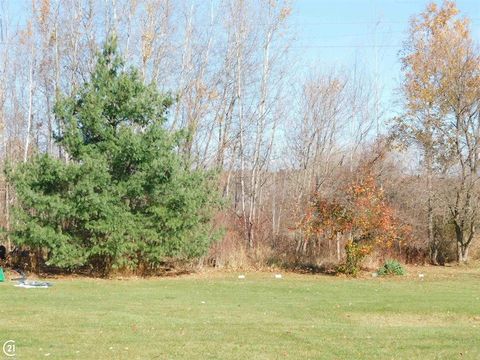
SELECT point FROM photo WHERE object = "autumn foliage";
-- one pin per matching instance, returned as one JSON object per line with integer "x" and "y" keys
{"x": 362, "y": 215}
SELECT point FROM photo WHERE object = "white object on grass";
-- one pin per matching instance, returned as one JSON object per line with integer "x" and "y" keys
{"x": 31, "y": 284}
{"x": 241, "y": 276}
{"x": 278, "y": 276}
{"x": 421, "y": 276}
{"x": 25, "y": 286}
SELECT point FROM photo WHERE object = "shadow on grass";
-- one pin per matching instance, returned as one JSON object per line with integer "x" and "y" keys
{"x": 306, "y": 267}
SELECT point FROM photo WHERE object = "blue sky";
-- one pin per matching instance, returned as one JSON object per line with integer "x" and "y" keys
{"x": 339, "y": 33}
{"x": 342, "y": 32}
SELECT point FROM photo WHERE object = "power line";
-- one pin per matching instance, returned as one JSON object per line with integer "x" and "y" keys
{"x": 296, "y": 46}
{"x": 345, "y": 46}
{"x": 355, "y": 35}
{"x": 361, "y": 22}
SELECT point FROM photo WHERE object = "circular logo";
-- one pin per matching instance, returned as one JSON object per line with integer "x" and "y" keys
{"x": 9, "y": 348}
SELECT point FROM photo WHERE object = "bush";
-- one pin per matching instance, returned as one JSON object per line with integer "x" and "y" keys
{"x": 391, "y": 267}
{"x": 355, "y": 255}
{"x": 363, "y": 214}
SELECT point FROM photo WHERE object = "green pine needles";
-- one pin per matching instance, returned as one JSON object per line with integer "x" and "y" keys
{"x": 125, "y": 197}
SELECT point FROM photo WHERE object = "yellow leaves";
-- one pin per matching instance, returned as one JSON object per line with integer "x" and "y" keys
{"x": 26, "y": 34}
{"x": 213, "y": 94}
{"x": 437, "y": 58}
{"x": 147, "y": 44}
{"x": 285, "y": 13}
{"x": 150, "y": 9}
{"x": 148, "y": 34}
{"x": 133, "y": 6}
{"x": 53, "y": 38}
{"x": 462, "y": 27}
{"x": 432, "y": 7}
{"x": 44, "y": 13}
{"x": 436, "y": 18}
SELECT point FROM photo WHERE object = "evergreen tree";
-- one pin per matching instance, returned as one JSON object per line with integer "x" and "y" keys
{"x": 125, "y": 197}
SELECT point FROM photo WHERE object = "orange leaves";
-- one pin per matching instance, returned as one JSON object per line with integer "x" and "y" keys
{"x": 363, "y": 213}
{"x": 322, "y": 217}
{"x": 373, "y": 218}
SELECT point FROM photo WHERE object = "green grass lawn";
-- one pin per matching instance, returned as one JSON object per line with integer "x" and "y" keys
{"x": 218, "y": 316}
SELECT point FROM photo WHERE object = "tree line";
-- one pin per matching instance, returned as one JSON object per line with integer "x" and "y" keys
{"x": 278, "y": 153}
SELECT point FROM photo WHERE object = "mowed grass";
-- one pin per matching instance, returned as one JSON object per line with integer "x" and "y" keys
{"x": 218, "y": 316}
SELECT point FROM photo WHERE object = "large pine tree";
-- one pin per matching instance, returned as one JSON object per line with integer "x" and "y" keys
{"x": 125, "y": 197}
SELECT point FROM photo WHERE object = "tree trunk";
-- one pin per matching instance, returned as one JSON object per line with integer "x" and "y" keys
{"x": 462, "y": 244}
{"x": 434, "y": 254}
{"x": 462, "y": 253}
{"x": 338, "y": 247}
{"x": 431, "y": 235}
{"x": 30, "y": 107}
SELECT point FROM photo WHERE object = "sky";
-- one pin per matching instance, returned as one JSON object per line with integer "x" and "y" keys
{"x": 340, "y": 33}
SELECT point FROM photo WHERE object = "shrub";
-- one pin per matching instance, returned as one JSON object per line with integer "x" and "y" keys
{"x": 363, "y": 214}
{"x": 391, "y": 267}
{"x": 355, "y": 255}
